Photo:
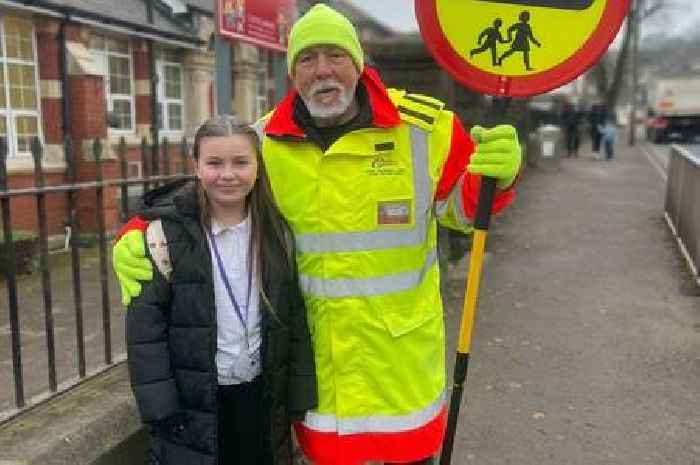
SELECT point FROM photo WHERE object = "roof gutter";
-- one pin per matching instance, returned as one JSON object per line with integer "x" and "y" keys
{"x": 33, "y": 9}
{"x": 144, "y": 35}
{"x": 105, "y": 22}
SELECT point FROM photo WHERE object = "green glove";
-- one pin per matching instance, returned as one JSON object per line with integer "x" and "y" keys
{"x": 497, "y": 154}
{"x": 131, "y": 264}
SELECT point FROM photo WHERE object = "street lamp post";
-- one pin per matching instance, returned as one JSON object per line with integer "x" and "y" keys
{"x": 636, "y": 22}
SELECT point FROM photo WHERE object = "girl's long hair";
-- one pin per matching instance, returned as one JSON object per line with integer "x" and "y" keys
{"x": 271, "y": 237}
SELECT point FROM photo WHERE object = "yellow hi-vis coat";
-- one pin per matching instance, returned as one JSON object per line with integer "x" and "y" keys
{"x": 364, "y": 217}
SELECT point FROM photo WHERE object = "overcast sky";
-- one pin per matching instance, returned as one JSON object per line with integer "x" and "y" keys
{"x": 400, "y": 16}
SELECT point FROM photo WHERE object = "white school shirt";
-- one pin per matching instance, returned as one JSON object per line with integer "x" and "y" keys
{"x": 232, "y": 243}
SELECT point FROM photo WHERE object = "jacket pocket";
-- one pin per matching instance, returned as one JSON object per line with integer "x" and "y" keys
{"x": 405, "y": 312}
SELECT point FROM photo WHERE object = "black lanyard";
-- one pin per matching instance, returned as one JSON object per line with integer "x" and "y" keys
{"x": 227, "y": 284}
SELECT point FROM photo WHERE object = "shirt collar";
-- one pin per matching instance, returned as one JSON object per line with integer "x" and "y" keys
{"x": 219, "y": 228}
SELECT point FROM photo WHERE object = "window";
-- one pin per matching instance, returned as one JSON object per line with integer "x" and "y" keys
{"x": 19, "y": 107}
{"x": 170, "y": 92}
{"x": 114, "y": 58}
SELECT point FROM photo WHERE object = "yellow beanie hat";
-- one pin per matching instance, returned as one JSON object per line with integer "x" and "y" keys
{"x": 322, "y": 25}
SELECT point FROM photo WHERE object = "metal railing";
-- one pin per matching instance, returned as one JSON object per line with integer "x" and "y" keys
{"x": 152, "y": 159}
{"x": 682, "y": 206}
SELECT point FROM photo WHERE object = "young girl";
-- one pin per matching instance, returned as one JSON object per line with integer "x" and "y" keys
{"x": 219, "y": 350}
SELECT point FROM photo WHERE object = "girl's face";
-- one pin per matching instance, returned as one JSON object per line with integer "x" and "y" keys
{"x": 227, "y": 169}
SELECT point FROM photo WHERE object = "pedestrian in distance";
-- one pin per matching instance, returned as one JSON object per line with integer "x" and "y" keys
{"x": 489, "y": 40}
{"x": 570, "y": 119}
{"x": 363, "y": 174}
{"x": 608, "y": 134}
{"x": 219, "y": 351}
{"x": 596, "y": 117}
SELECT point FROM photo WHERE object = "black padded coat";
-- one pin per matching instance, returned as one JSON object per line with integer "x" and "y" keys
{"x": 171, "y": 342}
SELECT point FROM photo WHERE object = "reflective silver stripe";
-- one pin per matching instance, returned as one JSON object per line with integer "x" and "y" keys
{"x": 374, "y": 423}
{"x": 367, "y": 287}
{"x": 374, "y": 240}
{"x": 454, "y": 200}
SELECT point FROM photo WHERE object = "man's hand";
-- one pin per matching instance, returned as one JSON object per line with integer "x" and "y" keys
{"x": 131, "y": 264}
{"x": 497, "y": 154}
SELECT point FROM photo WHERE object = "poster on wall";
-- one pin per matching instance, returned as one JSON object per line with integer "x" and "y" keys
{"x": 265, "y": 23}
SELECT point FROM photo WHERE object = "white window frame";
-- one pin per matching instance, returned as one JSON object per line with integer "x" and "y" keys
{"x": 161, "y": 63}
{"x": 103, "y": 54}
{"x": 8, "y": 112}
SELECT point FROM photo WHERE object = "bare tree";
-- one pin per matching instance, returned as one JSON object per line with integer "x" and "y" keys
{"x": 610, "y": 84}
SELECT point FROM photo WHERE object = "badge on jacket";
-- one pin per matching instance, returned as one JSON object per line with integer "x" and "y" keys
{"x": 394, "y": 212}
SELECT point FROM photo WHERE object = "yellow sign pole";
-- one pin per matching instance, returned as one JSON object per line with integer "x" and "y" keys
{"x": 481, "y": 226}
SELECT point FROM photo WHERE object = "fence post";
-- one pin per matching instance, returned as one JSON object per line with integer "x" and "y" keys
{"x": 37, "y": 152}
{"x": 166, "y": 157}
{"x": 145, "y": 165}
{"x": 106, "y": 323}
{"x": 155, "y": 162}
{"x": 75, "y": 253}
{"x": 123, "y": 163}
{"x": 183, "y": 155}
{"x": 11, "y": 276}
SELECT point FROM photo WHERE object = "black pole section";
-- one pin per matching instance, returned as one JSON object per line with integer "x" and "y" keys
{"x": 487, "y": 193}
{"x": 156, "y": 115}
{"x": 166, "y": 157}
{"x": 72, "y": 199}
{"x": 65, "y": 85}
{"x": 37, "y": 152}
{"x": 104, "y": 283}
{"x": 75, "y": 253}
{"x": 183, "y": 155}
{"x": 124, "y": 166}
{"x": 460, "y": 375}
{"x": 145, "y": 164}
{"x": 11, "y": 276}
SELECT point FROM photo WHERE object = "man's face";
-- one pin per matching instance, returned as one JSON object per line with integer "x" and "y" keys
{"x": 326, "y": 78}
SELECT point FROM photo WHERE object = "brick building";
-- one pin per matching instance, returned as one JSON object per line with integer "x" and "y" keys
{"x": 86, "y": 68}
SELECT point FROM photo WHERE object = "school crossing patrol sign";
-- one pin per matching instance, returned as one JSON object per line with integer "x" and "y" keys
{"x": 518, "y": 48}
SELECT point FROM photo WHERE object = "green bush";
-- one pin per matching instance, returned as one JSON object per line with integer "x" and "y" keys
{"x": 26, "y": 248}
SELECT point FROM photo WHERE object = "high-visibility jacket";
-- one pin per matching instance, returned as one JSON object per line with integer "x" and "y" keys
{"x": 364, "y": 215}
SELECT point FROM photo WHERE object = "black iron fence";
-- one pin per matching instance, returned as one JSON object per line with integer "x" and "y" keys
{"x": 156, "y": 163}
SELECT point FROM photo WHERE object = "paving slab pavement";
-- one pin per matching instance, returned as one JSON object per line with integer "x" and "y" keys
{"x": 586, "y": 349}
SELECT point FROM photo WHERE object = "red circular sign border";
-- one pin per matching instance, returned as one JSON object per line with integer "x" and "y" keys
{"x": 519, "y": 86}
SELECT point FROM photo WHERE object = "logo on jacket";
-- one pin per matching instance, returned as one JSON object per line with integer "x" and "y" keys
{"x": 383, "y": 166}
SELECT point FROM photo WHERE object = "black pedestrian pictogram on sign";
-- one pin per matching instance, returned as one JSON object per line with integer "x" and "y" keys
{"x": 519, "y": 37}
{"x": 560, "y": 4}
{"x": 488, "y": 40}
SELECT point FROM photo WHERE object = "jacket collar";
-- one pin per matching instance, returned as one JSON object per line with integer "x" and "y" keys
{"x": 384, "y": 112}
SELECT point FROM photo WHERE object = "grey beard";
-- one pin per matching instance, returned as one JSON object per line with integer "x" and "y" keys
{"x": 323, "y": 112}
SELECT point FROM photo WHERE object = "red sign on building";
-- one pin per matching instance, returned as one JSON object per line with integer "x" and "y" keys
{"x": 265, "y": 23}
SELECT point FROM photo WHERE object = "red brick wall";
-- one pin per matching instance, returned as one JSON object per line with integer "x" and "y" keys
{"x": 49, "y": 54}
{"x": 24, "y": 212}
{"x": 52, "y": 115}
{"x": 142, "y": 72}
{"x": 144, "y": 113}
{"x": 142, "y": 63}
{"x": 88, "y": 107}
{"x": 89, "y": 122}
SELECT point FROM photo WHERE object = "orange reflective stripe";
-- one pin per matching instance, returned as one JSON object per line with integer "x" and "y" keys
{"x": 356, "y": 449}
